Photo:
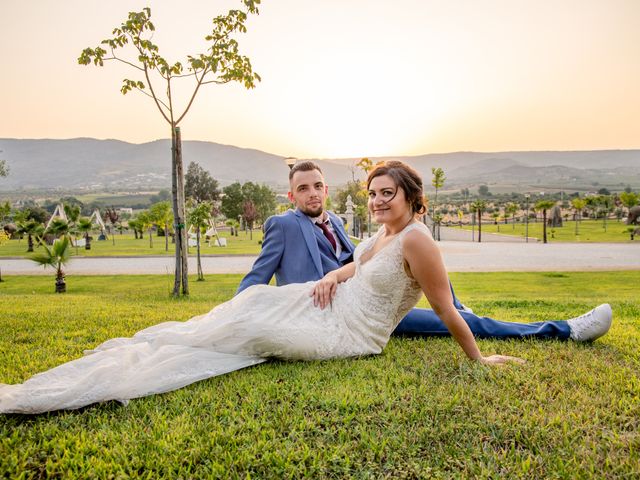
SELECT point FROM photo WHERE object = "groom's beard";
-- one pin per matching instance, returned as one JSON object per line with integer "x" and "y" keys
{"x": 312, "y": 212}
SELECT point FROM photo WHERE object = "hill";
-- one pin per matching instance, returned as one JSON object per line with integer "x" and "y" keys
{"x": 87, "y": 164}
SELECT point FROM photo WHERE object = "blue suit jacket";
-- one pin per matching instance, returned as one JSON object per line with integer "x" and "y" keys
{"x": 296, "y": 251}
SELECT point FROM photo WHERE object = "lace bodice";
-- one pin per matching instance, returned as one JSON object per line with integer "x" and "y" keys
{"x": 384, "y": 276}
{"x": 260, "y": 322}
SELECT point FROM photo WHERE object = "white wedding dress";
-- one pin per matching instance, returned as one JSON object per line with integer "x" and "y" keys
{"x": 261, "y": 322}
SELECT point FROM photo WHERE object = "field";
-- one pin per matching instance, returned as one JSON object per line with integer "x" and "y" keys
{"x": 126, "y": 245}
{"x": 588, "y": 231}
{"x": 419, "y": 410}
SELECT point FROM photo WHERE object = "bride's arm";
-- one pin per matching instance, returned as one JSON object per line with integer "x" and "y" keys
{"x": 427, "y": 267}
{"x": 325, "y": 289}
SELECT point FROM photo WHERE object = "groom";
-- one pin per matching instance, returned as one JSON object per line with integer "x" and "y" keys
{"x": 304, "y": 244}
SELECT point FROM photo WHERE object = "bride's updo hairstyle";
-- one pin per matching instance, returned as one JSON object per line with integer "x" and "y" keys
{"x": 405, "y": 178}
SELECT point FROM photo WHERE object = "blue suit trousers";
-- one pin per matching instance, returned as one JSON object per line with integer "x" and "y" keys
{"x": 425, "y": 322}
{"x": 420, "y": 321}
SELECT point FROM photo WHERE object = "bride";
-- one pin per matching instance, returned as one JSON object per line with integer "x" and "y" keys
{"x": 350, "y": 312}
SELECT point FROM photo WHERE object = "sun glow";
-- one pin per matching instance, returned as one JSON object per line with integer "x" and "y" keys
{"x": 348, "y": 79}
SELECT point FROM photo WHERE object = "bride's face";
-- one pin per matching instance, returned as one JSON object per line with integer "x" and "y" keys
{"x": 387, "y": 202}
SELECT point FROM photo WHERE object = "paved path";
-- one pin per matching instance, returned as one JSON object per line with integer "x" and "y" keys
{"x": 458, "y": 256}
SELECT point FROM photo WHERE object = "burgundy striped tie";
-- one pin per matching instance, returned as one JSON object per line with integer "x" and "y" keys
{"x": 328, "y": 234}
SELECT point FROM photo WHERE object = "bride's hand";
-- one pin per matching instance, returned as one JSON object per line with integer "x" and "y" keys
{"x": 500, "y": 360}
{"x": 324, "y": 290}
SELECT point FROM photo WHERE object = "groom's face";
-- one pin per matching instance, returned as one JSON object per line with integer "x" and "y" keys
{"x": 308, "y": 192}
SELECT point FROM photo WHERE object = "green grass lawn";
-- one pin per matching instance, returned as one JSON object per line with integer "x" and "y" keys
{"x": 419, "y": 410}
{"x": 588, "y": 231}
{"x": 126, "y": 245}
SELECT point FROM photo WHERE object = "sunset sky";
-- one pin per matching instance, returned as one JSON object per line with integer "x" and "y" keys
{"x": 345, "y": 78}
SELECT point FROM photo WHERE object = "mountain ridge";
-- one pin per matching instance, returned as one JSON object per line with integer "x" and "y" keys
{"x": 91, "y": 164}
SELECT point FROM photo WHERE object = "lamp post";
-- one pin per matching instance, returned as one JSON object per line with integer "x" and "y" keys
{"x": 526, "y": 218}
{"x": 290, "y": 161}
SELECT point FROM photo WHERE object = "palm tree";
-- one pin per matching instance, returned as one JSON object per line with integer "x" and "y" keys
{"x": 544, "y": 205}
{"x": 30, "y": 228}
{"x": 58, "y": 227}
{"x": 233, "y": 226}
{"x": 199, "y": 217}
{"x": 478, "y": 207}
{"x": 73, "y": 214}
{"x": 578, "y": 205}
{"x": 85, "y": 226}
{"x": 57, "y": 256}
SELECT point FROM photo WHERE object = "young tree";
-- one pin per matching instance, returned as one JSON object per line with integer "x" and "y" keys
{"x": 222, "y": 63}
{"x": 162, "y": 217}
{"x": 578, "y": 205}
{"x": 112, "y": 216}
{"x": 438, "y": 182}
{"x": 146, "y": 222}
{"x": 249, "y": 215}
{"x": 605, "y": 202}
{"x": 543, "y": 206}
{"x": 5, "y": 211}
{"x": 591, "y": 203}
{"x": 57, "y": 256}
{"x": 199, "y": 186}
{"x": 496, "y": 216}
{"x": 629, "y": 199}
{"x": 478, "y": 207}
{"x": 199, "y": 217}
{"x": 510, "y": 209}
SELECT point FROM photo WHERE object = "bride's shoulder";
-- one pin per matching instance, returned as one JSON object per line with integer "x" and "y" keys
{"x": 417, "y": 236}
{"x": 416, "y": 230}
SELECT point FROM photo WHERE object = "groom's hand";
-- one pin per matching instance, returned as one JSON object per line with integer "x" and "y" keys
{"x": 324, "y": 290}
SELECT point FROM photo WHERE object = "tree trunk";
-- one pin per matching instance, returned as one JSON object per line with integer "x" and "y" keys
{"x": 61, "y": 286}
{"x": 181, "y": 281}
{"x": 479, "y": 226}
{"x": 87, "y": 242}
{"x": 544, "y": 226}
{"x": 29, "y": 243}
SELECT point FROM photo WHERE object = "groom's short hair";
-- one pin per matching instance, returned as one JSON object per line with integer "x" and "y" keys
{"x": 305, "y": 166}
